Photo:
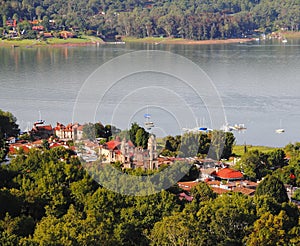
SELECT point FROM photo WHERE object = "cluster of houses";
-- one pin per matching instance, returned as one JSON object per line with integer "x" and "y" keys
{"x": 36, "y": 25}
{"x": 56, "y": 136}
{"x": 122, "y": 151}
{"x": 221, "y": 178}
{"x": 112, "y": 151}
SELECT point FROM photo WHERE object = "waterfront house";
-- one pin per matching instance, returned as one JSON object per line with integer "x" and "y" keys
{"x": 66, "y": 34}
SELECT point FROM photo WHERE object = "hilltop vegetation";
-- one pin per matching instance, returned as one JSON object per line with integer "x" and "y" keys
{"x": 47, "y": 198}
{"x": 191, "y": 19}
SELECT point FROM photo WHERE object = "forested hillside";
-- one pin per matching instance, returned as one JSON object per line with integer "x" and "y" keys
{"x": 192, "y": 19}
{"x": 49, "y": 200}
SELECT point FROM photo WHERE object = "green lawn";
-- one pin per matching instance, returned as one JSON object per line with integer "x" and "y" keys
{"x": 291, "y": 34}
{"x": 32, "y": 42}
{"x": 239, "y": 149}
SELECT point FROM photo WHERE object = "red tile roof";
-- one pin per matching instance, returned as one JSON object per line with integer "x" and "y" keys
{"x": 112, "y": 144}
{"x": 130, "y": 144}
{"x": 213, "y": 182}
{"x": 187, "y": 186}
{"x": 228, "y": 173}
{"x": 44, "y": 128}
{"x": 219, "y": 191}
{"x": 244, "y": 190}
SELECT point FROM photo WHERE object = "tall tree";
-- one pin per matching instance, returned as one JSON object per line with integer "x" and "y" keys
{"x": 8, "y": 128}
{"x": 272, "y": 186}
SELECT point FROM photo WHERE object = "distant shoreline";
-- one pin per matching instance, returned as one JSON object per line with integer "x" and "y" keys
{"x": 156, "y": 41}
{"x": 83, "y": 42}
{"x": 91, "y": 41}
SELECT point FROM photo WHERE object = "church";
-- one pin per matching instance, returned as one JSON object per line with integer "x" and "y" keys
{"x": 131, "y": 156}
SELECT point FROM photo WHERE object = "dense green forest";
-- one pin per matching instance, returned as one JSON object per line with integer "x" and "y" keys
{"x": 191, "y": 19}
{"x": 47, "y": 198}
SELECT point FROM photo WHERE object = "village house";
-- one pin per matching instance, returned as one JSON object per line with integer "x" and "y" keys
{"x": 227, "y": 174}
{"x": 222, "y": 181}
{"x": 41, "y": 131}
{"x": 187, "y": 185}
{"x": 68, "y": 132}
{"x": 66, "y": 34}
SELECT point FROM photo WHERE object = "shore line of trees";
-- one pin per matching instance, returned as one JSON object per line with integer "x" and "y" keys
{"x": 197, "y": 20}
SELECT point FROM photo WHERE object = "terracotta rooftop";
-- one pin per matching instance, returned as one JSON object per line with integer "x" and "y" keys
{"x": 244, "y": 190}
{"x": 228, "y": 173}
{"x": 44, "y": 128}
{"x": 187, "y": 186}
{"x": 112, "y": 144}
{"x": 219, "y": 191}
{"x": 213, "y": 182}
{"x": 247, "y": 183}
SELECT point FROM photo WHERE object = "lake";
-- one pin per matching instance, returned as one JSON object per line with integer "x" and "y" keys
{"x": 257, "y": 83}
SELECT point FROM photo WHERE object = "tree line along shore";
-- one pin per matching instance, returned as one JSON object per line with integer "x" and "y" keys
{"x": 92, "y": 40}
{"x": 110, "y": 20}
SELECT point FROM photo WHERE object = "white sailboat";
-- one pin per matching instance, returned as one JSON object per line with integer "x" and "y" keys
{"x": 199, "y": 128}
{"x": 148, "y": 124}
{"x": 280, "y": 130}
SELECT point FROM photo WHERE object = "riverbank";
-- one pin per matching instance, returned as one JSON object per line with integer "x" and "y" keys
{"x": 157, "y": 40}
{"x": 290, "y": 34}
{"x": 53, "y": 42}
{"x": 91, "y": 40}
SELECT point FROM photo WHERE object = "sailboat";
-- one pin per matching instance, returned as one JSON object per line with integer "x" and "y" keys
{"x": 199, "y": 128}
{"x": 148, "y": 124}
{"x": 280, "y": 130}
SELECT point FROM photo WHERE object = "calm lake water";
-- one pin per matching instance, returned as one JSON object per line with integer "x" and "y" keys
{"x": 258, "y": 83}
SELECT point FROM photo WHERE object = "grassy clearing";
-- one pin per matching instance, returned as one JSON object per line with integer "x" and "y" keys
{"x": 291, "y": 34}
{"x": 239, "y": 149}
{"x": 18, "y": 42}
{"x": 51, "y": 41}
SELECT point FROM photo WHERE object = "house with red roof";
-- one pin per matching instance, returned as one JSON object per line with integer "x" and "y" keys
{"x": 41, "y": 131}
{"x": 219, "y": 190}
{"x": 228, "y": 174}
{"x": 66, "y": 34}
{"x": 187, "y": 185}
